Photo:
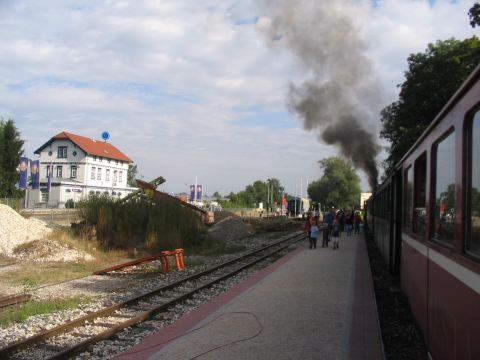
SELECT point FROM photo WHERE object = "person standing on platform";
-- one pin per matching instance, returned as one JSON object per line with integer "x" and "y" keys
{"x": 335, "y": 234}
{"x": 356, "y": 222}
{"x": 325, "y": 237}
{"x": 308, "y": 225}
{"x": 314, "y": 230}
{"x": 328, "y": 218}
{"x": 349, "y": 222}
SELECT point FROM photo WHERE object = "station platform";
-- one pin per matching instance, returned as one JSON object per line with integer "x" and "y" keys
{"x": 311, "y": 304}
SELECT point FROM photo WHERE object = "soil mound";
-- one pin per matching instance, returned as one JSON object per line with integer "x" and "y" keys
{"x": 230, "y": 228}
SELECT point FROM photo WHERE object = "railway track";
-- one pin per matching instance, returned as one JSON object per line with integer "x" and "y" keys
{"x": 62, "y": 342}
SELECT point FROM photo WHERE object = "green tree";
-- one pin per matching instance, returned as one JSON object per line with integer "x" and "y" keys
{"x": 432, "y": 78}
{"x": 216, "y": 195}
{"x": 339, "y": 186}
{"x": 10, "y": 151}
{"x": 474, "y": 14}
{"x": 131, "y": 175}
{"x": 260, "y": 191}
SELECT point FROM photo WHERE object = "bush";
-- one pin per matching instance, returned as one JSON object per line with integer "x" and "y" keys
{"x": 155, "y": 225}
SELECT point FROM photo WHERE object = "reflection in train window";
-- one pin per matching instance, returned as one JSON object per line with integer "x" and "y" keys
{"x": 473, "y": 240}
{"x": 444, "y": 190}
{"x": 420, "y": 195}
{"x": 407, "y": 201}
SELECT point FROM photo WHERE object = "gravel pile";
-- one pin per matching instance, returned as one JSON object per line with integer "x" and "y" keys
{"x": 24, "y": 239}
{"x": 16, "y": 230}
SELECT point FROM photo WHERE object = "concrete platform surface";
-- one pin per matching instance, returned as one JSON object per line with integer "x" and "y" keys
{"x": 311, "y": 304}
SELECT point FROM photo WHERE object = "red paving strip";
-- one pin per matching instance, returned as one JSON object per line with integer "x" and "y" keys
{"x": 365, "y": 339}
{"x": 157, "y": 341}
{"x": 130, "y": 263}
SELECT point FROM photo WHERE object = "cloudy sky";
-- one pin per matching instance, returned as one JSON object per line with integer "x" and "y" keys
{"x": 201, "y": 88}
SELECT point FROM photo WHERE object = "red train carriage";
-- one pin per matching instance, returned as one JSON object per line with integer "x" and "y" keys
{"x": 426, "y": 221}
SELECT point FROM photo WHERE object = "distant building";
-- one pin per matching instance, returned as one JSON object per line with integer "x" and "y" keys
{"x": 81, "y": 167}
{"x": 363, "y": 197}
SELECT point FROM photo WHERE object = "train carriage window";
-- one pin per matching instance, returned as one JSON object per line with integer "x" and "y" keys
{"x": 444, "y": 189}
{"x": 473, "y": 198}
{"x": 407, "y": 201}
{"x": 420, "y": 195}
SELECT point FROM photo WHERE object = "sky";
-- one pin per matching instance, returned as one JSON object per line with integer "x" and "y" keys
{"x": 201, "y": 90}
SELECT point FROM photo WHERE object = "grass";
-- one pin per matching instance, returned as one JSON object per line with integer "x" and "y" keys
{"x": 21, "y": 312}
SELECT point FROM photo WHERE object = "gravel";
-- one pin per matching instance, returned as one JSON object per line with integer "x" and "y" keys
{"x": 401, "y": 336}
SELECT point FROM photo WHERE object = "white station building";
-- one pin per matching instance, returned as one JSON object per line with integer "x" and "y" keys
{"x": 81, "y": 167}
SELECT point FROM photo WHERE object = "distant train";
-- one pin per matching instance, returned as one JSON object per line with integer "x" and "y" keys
{"x": 425, "y": 219}
{"x": 298, "y": 206}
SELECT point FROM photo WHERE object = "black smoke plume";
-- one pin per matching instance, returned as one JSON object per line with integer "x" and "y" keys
{"x": 342, "y": 95}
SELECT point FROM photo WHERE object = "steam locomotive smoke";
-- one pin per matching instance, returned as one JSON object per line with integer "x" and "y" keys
{"x": 342, "y": 95}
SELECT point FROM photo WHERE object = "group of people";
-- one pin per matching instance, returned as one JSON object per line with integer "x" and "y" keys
{"x": 336, "y": 222}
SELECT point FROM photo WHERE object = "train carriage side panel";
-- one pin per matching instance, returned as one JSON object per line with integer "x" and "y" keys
{"x": 414, "y": 268}
{"x": 453, "y": 303}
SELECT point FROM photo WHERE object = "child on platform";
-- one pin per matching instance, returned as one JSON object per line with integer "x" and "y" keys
{"x": 314, "y": 234}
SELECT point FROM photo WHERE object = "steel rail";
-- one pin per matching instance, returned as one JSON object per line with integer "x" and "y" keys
{"x": 7, "y": 301}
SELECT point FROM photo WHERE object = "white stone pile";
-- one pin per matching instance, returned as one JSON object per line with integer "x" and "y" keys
{"x": 16, "y": 230}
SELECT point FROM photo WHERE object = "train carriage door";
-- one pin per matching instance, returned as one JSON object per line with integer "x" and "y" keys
{"x": 397, "y": 196}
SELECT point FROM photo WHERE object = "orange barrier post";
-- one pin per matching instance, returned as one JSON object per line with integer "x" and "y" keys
{"x": 165, "y": 261}
{"x": 179, "y": 259}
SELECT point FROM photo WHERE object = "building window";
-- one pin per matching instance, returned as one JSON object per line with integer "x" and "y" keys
{"x": 407, "y": 201}
{"x": 99, "y": 174}
{"x": 93, "y": 173}
{"x": 94, "y": 158}
{"x": 120, "y": 176}
{"x": 115, "y": 176}
{"x": 108, "y": 160}
{"x": 116, "y": 162}
{"x": 62, "y": 152}
{"x": 444, "y": 190}
{"x": 420, "y": 195}
{"x": 73, "y": 172}
{"x": 107, "y": 174}
{"x": 473, "y": 189}
{"x": 100, "y": 159}
{"x": 59, "y": 171}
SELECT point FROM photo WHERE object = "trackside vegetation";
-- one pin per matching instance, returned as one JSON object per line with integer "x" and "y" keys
{"x": 152, "y": 225}
{"x": 21, "y": 312}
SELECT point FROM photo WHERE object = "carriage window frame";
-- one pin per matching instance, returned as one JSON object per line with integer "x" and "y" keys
{"x": 420, "y": 180}
{"x": 434, "y": 184}
{"x": 469, "y": 182}
{"x": 408, "y": 198}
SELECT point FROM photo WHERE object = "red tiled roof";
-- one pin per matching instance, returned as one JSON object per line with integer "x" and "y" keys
{"x": 90, "y": 146}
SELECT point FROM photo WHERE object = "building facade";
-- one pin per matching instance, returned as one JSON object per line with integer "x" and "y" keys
{"x": 79, "y": 167}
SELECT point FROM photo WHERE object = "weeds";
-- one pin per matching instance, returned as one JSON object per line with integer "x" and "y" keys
{"x": 21, "y": 312}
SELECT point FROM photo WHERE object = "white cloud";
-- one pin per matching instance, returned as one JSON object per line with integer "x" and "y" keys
{"x": 186, "y": 88}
